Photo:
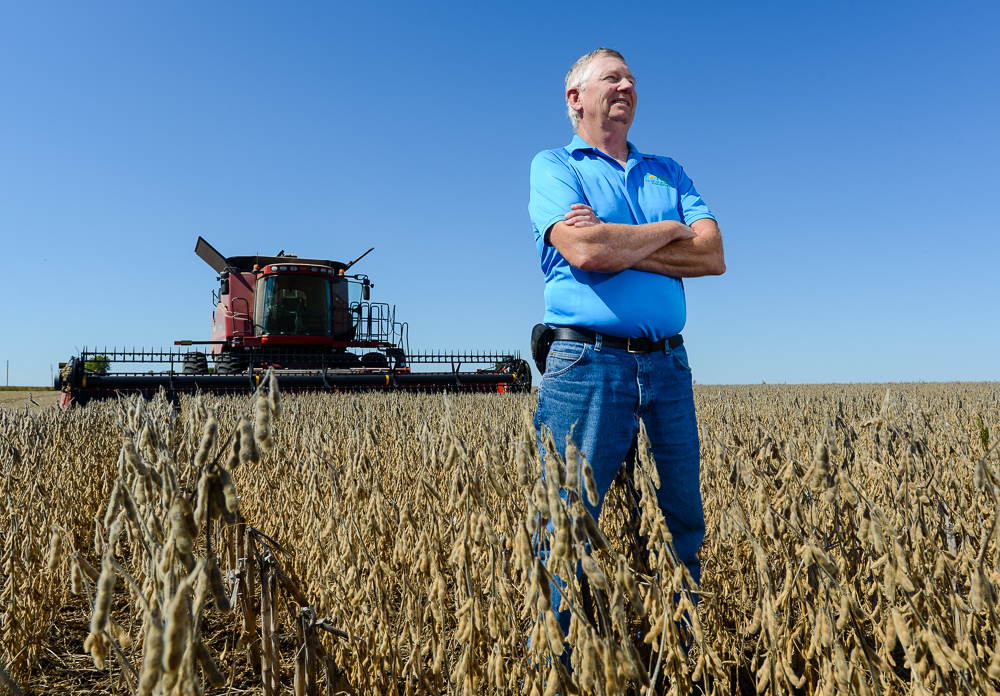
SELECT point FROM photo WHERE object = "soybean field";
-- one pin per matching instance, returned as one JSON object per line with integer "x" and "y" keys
{"x": 405, "y": 544}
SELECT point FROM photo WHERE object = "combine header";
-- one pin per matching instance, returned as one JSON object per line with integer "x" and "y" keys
{"x": 306, "y": 318}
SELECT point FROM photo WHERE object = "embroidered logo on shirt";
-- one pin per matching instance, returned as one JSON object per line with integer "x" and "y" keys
{"x": 658, "y": 180}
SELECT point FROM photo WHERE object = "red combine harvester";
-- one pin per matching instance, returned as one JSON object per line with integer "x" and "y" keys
{"x": 306, "y": 318}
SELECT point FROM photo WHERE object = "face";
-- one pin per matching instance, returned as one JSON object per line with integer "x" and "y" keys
{"x": 610, "y": 94}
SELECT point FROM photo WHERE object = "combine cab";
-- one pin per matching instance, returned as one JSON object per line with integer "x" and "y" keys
{"x": 309, "y": 320}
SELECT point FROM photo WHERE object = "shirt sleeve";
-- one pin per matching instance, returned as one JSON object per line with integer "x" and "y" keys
{"x": 690, "y": 206}
{"x": 555, "y": 187}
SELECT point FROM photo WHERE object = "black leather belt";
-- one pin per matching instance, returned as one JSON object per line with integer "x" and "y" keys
{"x": 632, "y": 345}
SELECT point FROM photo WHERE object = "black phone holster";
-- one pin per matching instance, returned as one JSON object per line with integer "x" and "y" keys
{"x": 541, "y": 341}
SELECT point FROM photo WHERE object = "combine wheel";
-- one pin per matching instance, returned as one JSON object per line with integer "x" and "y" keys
{"x": 522, "y": 376}
{"x": 374, "y": 360}
{"x": 229, "y": 364}
{"x": 345, "y": 360}
{"x": 195, "y": 364}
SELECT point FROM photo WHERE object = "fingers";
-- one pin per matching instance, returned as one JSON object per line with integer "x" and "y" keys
{"x": 581, "y": 215}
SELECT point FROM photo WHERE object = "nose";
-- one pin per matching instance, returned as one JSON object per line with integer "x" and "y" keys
{"x": 625, "y": 85}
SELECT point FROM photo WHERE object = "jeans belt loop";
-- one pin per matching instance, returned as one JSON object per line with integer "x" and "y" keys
{"x": 598, "y": 341}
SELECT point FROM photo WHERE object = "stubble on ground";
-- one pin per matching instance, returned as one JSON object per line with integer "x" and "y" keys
{"x": 35, "y": 399}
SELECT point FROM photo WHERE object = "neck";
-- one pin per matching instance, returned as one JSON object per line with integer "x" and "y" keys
{"x": 611, "y": 141}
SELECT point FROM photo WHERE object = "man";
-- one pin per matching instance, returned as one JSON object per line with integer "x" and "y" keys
{"x": 616, "y": 230}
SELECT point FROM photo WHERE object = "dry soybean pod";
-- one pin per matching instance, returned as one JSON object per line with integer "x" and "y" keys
{"x": 55, "y": 551}
{"x": 217, "y": 586}
{"x": 262, "y": 435}
{"x": 273, "y": 394}
{"x": 178, "y": 629}
{"x": 207, "y": 440}
{"x": 152, "y": 658}
{"x": 227, "y": 496}
{"x": 248, "y": 447}
{"x": 212, "y": 673}
{"x": 102, "y": 604}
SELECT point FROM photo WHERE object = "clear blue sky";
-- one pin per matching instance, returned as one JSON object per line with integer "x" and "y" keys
{"x": 848, "y": 150}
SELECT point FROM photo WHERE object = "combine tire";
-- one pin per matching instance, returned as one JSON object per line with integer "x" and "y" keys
{"x": 195, "y": 364}
{"x": 345, "y": 360}
{"x": 522, "y": 376}
{"x": 229, "y": 364}
{"x": 374, "y": 360}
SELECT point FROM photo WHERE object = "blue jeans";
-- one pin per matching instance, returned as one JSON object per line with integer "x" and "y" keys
{"x": 605, "y": 391}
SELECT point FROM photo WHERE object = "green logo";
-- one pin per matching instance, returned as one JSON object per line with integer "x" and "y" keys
{"x": 658, "y": 180}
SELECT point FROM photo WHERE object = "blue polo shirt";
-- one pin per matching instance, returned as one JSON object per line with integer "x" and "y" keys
{"x": 649, "y": 189}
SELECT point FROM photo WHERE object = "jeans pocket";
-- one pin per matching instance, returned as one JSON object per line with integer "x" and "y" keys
{"x": 681, "y": 358}
{"x": 563, "y": 357}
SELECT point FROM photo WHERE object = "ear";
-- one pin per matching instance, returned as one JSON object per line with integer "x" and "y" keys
{"x": 573, "y": 99}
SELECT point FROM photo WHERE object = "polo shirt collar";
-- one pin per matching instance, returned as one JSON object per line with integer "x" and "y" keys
{"x": 579, "y": 143}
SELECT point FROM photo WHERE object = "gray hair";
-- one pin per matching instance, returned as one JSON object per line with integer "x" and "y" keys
{"x": 579, "y": 74}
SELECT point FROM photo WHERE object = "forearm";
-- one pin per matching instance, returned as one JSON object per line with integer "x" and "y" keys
{"x": 611, "y": 247}
{"x": 689, "y": 258}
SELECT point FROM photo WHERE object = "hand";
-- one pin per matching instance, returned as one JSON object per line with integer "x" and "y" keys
{"x": 684, "y": 232}
{"x": 581, "y": 215}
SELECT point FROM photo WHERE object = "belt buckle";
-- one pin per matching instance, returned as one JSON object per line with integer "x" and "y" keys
{"x": 628, "y": 346}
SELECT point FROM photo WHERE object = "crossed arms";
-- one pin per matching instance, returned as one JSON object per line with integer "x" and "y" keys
{"x": 667, "y": 247}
